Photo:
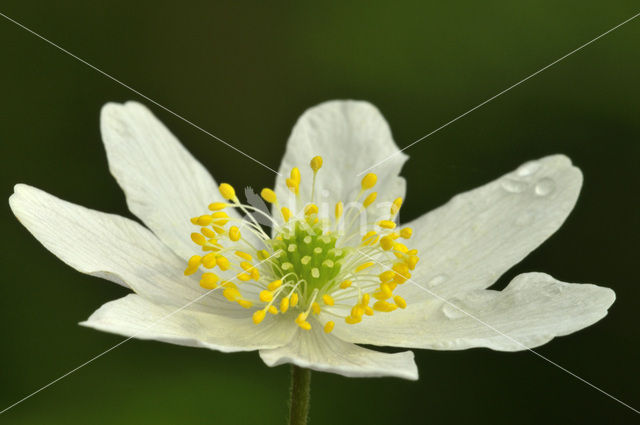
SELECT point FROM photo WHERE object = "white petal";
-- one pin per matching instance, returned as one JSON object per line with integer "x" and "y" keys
{"x": 351, "y": 136}
{"x": 324, "y": 352}
{"x": 139, "y": 318}
{"x": 110, "y": 247}
{"x": 532, "y": 310}
{"x": 164, "y": 184}
{"x": 472, "y": 240}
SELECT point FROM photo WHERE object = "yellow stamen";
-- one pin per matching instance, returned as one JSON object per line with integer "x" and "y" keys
{"x": 345, "y": 284}
{"x": 364, "y": 266}
{"x": 328, "y": 300}
{"x": 400, "y": 302}
{"x": 284, "y": 305}
{"x": 387, "y": 224}
{"x": 192, "y": 265}
{"x": 244, "y": 255}
{"x": 384, "y": 306}
{"x": 234, "y": 234}
{"x": 266, "y": 296}
{"x": 315, "y": 307}
{"x": 369, "y": 181}
{"x": 286, "y": 214}
{"x": 216, "y": 206}
{"x": 339, "y": 210}
{"x": 406, "y": 232}
{"x": 227, "y": 191}
{"x": 269, "y": 195}
{"x": 328, "y": 327}
{"x": 294, "y": 300}
{"x": 370, "y": 199}
{"x": 273, "y": 309}
{"x": 311, "y": 209}
{"x": 209, "y": 281}
{"x": 198, "y": 239}
{"x": 316, "y": 163}
{"x": 223, "y": 262}
{"x": 395, "y": 207}
{"x": 245, "y": 303}
{"x": 209, "y": 260}
{"x": 258, "y": 316}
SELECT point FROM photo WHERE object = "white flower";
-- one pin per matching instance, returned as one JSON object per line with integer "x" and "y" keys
{"x": 321, "y": 285}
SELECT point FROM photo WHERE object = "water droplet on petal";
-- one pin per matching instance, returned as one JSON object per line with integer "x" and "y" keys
{"x": 528, "y": 169}
{"x": 451, "y": 311}
{"x": 544, "y": 187}
{"x": 437, "y": 280}
{"x": 513, "y": 186}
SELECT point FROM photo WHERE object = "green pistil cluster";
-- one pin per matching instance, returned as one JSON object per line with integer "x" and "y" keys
{"x": 308, "y": 253}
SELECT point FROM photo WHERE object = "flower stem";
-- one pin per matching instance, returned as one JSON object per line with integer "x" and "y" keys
{"x": 300, "y": 395}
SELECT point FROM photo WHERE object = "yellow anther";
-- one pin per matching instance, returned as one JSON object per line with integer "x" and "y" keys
{"x": 400, "y": 302}
{"x": 328, "y": 300}
{"x": 255, "y": 274}
{"x": 368, "y": 311}
{"x": 301, "y": 318}
{"x": 394, "y": 235}
{"x": 266, "y": 296}
{"x": 295, "y": 175}
{"x": 395, "y": 207}
{"x": 412, "y": 261}
{"x": 380, "y": 295}
{"x": 406, "y": 232}
{"x": 293, "y": 185}
{"x": 345, "y": 284}
{"x": 294, "y": 300}
{"x": 386, "y": 243}
{"x": 401, "y": 249}
{"x": 315, "y": 307}
{"x": 387, "y": 275}
{"x": 244, "y": 277}
{"x": 274, "y": 285}
{"x": 311, "y": 209}
{"x": 286, "y": 214}
{"x": 353, "y": 320}
{"x": 269, "y": 195}
{"x": 220, "y": 218}
{"x": 369, "y": 181}
{"x": 209, "y": 260}
{"x": 316, "y": 163}
{"x": 412, "y": 252}
{"x": 234, "y": 234}
{"x": 339, "y": 210}
{"x": 198, "y": 239}
{"x": 284, "y": 304}
{"x": 223, "y": 262}
{"x": 216, "y": 206}
{"x": 401, "y": 269}
{"x": 258, "y": 316}
{"x": 208, "y": 233}
{"x": 232, "y": 294}
{"x": 365, "y": 300}
{"x": 387, "y": 224}
{"x": 228, "y": 284}
{"x": 305, "y": 325}
{"x": 263, "y": 254}
{"x": 245, "y": 303}
{"x": 370, "y": 199}
{"x": 203, "y": 220}
{"x": 370, "y": 238}
{"x": 244, "y": 255}
{"x": 209, "y": 281}
{"x": 227, "y": 191}
{"x": 357, "y": 310}
{"x": 218, "y": 228}
{"x": 192, "y": 265}
{"x": 364, "y": 266}
{"x": 273, "y": 309}
{"x": 386, "y": 290}
{"x": 246, "y": 265}
{"x": 384, "y": 306}
{"x": 328, "y": 327}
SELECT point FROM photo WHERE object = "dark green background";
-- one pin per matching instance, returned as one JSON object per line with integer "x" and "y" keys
{"x": 245, "y": 71}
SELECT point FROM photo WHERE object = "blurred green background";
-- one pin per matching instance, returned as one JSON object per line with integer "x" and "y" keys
{"x": 245, "y": 71}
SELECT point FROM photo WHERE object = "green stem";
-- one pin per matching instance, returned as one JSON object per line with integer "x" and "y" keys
{"x": 300, "y": 395}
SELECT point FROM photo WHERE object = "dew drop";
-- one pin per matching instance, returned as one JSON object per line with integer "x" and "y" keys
{"x": 544, "y": 187}
{"x": 437, "y": 280}
{"x": 528, "y": 169}
{"x": 513, "y": 186}
{"x": 451, "y": 312}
